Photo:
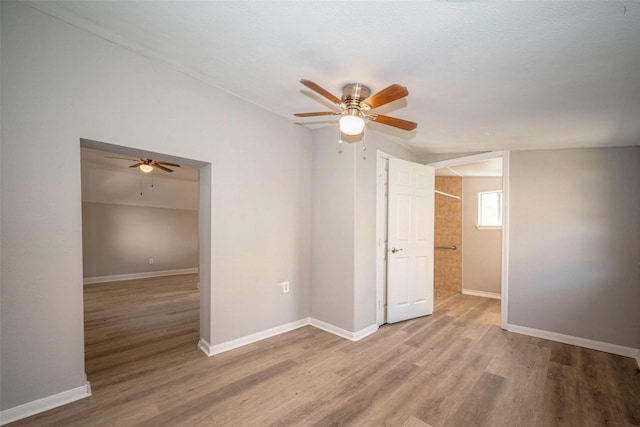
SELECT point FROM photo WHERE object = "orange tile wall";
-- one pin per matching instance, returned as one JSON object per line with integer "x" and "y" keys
{"x": 447, "y": 268}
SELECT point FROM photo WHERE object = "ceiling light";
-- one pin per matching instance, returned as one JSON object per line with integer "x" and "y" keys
{"x": 146, "y": 168}
{"x": 352, "y": 123}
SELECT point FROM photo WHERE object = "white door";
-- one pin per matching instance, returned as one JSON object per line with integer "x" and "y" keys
{"x": 410, "y": 234}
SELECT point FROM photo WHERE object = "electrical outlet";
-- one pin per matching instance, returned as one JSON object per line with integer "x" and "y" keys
{"x": 150, "y": 260}
{"x": 285, "y": 287}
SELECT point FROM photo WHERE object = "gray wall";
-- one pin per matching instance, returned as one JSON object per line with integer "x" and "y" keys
{"x": 332, "y": 237}
{"x": 481, "y": 249}
{"x": 60, "y": 84}
{"x": 344, "y": 228}
{"x": 574, "y": 230}
{"x": 1, "y": 222}
{"x": 575, "y": 243}
{"x": 119, "y": 239}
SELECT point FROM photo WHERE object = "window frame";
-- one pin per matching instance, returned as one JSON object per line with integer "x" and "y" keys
{"x": 479, "y": 224}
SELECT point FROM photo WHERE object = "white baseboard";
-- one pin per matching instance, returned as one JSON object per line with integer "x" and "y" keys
{"x": 211, "y": 350}
{"x": 481, "y": 294}
{"x": 351, "y": 336}
{"x": 119, "y": 277}
{"x": 363, "y": 333}
{"x": 204, "y": 347}
{"x": 32, "y": 408}
{"x": 577, "y": 341}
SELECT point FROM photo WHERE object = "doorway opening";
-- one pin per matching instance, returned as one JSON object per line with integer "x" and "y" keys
{"x": 471, "y": 256}
{"x": 467, "y": 230}
{"x": 463, "y": 163}
{"x": 142, "y": 251}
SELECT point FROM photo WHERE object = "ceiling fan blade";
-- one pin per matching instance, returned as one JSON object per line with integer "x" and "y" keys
{"x": 321, "y": 113}
{"x": 120, "y": 158}
{"x": 392, "y": 121}
{"x": 155, "y": 165}
{"x": 387, "y": 95}
{"x": 165, "y": 163}
{"x": 136, "y": 165}
{"x": 314, "y": 87}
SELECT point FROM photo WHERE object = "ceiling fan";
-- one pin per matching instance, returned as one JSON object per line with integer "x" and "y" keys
{"x": 147, "y": 165}
{"x": 356, "y": 104}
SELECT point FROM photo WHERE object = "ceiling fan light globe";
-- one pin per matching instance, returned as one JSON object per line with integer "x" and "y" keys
{"x": 146, "y": 168}
{"x": 351, "y": 125}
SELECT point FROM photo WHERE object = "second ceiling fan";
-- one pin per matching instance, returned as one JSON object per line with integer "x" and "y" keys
{"x": 356, "y": 105}
{"x": 147, "y": 165}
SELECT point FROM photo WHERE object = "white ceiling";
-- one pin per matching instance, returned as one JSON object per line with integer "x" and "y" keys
{"x": 481, "y": 75}
{"x": 490, "y": 167}
{"x": 106, "y": 180}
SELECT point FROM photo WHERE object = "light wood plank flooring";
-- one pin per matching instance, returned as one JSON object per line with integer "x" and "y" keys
{"x": 441, "y": 295}
{"x": 454, "y": 368}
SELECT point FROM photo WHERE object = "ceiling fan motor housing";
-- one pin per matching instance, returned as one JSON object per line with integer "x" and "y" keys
{"x": 353, "y": 94}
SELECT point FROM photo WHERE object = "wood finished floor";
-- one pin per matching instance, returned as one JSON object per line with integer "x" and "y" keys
{"x": 454, "y": 368}
{"x": 441, "y": 295}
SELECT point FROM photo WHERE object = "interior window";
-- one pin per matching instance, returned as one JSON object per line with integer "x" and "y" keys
{"x": 490, "y": 209}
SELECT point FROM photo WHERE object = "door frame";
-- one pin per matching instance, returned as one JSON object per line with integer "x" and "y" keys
{"x": 381, "y": 248}
{"x": 205, "y": 221}
{"x": 504, "y": 155}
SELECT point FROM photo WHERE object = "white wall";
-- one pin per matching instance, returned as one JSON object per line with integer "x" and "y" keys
{"x": 481, "y": 249}
{"x": 120, "y": 239}
{"x": 61, "y": 84}
{"x": 575, "y": 243}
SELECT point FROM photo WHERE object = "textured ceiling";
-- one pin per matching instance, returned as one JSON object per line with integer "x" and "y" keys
{"x": 481, "y": 76}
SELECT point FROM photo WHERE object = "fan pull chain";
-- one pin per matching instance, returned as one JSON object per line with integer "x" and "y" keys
{"x": 340, "y": 141}
{"x": 364, "y": 145}
{"x": 140, "y": 183}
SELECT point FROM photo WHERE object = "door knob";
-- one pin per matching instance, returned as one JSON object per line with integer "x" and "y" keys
{"x": 394, "y": 250}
